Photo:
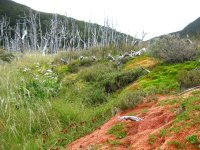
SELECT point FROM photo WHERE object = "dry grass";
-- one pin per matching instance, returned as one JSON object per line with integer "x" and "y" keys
{"x": 143, "y": 61}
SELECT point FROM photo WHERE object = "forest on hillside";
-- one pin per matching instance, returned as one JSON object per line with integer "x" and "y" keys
{"x": 22, "y": 29}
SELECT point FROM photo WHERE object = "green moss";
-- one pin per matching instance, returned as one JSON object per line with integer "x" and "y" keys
{"x": 162, "y": 132}
{"x": 176, "y": 144}
{"x": 118, "y": 130}
{"x": 193, "y": 139}
{"x": 152, "y": 139}
{"x": 114, "y": 142}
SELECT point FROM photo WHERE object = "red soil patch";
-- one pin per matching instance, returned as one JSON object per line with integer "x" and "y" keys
{"x": 155, "y": 118}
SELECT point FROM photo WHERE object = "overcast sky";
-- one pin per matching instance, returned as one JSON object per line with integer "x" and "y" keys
{"x": 155, "y": 17}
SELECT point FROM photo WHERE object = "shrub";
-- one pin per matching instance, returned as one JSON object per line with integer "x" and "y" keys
{"x": 189, "y": 79}
{"x": 115, "y": 81}
{"x": 86, "y": 62}
{"x": 38, "y": 83}
{"x": 96, "y": 72}
{"x": 193, "y": 139}
{"x": 6, "y": 56}
{"x": 172, "y": 49}
{"x": 162, "y": 132}
{"x": 176, "y": 144}
{"x": 95, "y": 96}
{"x": 73, "y": 67}
{"x": 130, "y": 100}
{"x": 152, "y": 139}
{"x": 118, "y": 131}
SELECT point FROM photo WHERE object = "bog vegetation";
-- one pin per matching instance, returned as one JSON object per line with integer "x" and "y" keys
{"x": 47, "y": 102}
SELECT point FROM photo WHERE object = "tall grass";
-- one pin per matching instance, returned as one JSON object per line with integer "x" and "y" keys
{"x": 43, "y": 105}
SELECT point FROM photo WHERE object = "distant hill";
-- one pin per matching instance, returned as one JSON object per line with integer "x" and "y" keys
{"x": 192, "y": 29}
{"x": 12, "y": 10}
{"x": 53, "y": 31}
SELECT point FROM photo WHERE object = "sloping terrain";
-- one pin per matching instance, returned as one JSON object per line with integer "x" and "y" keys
{"x": 191, "y": 29}
{"x": 157, "y": 130}
{"x": 47, "y": 103}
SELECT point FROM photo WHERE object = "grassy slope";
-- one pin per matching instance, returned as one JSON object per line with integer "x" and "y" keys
{"x": 53, "y": 119}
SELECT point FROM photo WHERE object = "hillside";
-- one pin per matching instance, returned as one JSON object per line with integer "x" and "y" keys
{"x": 192, "y": 29}
{"x": 23, "y": 28}
{"x": 80, "y": 99}
{"x": 163, "y": 127}
{"x": 49, "y": 103}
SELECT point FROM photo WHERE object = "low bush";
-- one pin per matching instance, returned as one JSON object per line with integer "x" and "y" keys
{"x": 86, "y": 62}
{"x": 37, "y": 82}
{"x": 6, "y": 56}
{"x": 152, "y": 139}
{"x": 172, "y": 49}
{"x": 193, "y": 139}
{"x": 96, "y": 72}
{"x": 117, "y": 80}
{"x": 130, "y": 100}
{"x": 189, "y": 79}
{"x": 118, "y": 130}
{"x": 95, "y": 96}
{"x": 73, "y": 67}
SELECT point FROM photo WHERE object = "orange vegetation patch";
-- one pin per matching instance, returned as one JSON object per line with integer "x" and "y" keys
{"x": 146, "y": 62}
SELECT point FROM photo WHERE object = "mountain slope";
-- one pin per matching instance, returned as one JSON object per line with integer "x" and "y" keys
{"x": 163, "y": 126}
{"x": 53, "y": 31}
{"x": 192, "y": 29}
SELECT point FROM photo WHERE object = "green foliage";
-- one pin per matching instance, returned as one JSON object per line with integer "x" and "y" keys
{"x": 114, "y": 142}
{"x": 6, "y": 56}
{"x": 189, "y": 117}
{"x": 177, "y": 144}
{"x": 96, "y": 72}
{"x": 189, "y": 79}
{"x": 162, "y": 132}
{"x": 73, "y": 67}
{"x": 172, "y": 49}
{"x": 73, "y": 104}
{"x": 193, "y": 139}
{"x": 118, "y": 130}
{"x": 86, "y": 62}
{"x": 115, "y": 81}
{"x": 38, "y": 82}
{"x": 95, "y": 96}
{"x": 163, "y": 79}
{"x": 152, "y": 139}
{"x": 130, "y": 100}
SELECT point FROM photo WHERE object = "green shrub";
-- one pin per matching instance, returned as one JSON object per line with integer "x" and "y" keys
{"x": 6, "y": 56}
{"x": 73, "y": 67}
{"x": 130, "y": 100}
{"x": 189, "y": 79}
{"x": 95, "y": 96}
{"x": 176, "y": 144}
{"x": 37, "y": 82}
{"x": 96, "y": 72}
{"x": 152, "y": 139}
{"x": 86, "y": 62}
{"x": 193, "y": 139}
{"x": 118, "y": 130}
{"x": 162, "y": 132}
{"x": 115, "y": 81}
{"x": 172, "y": 49}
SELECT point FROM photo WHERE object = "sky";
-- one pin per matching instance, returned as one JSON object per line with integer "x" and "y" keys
{"x": 154, "y": 17}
